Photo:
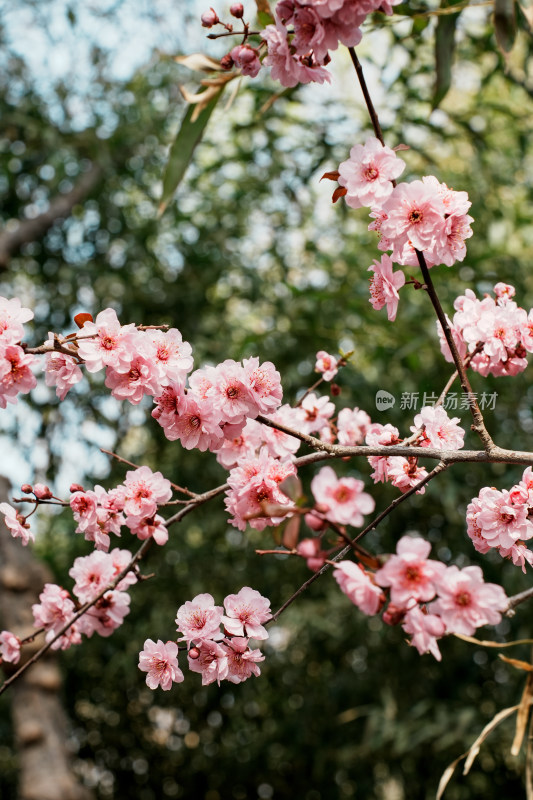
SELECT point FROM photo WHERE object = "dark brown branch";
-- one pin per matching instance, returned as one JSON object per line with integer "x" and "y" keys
{"x": 366, "y": 94}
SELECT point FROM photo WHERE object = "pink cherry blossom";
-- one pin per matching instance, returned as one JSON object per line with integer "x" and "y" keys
{"x": 254, "y": 495}
{"x": 405, "y": 473}
{"x": 424, "y": 629}
{"x": 105, "y": 342}
{"x": 199, "y": 620}
{"x": 384, "y": 286}
{"x": 264, "y": 384}
{"x": 144, "y": 492}
{"x": 326, "y": 364}
{"x": 61, "y": 371}
{"x": 91, "y": 574}
{"x": 246, "y": 59}
{"x": 352, "y": 426}
{"x": 9, "y": 647}
{"x": 343, "y": 499}
{"x": 16, "y": 523}
{"x": 466, "y": 602}
{"x": 52, "y": 612}
{"x": 12, "y": 317}
{"x": 245, "y": 613}
{"x": 409, "y": 573}
{"x": 440, "y": 431}
{"x": 242, "y": 661}
{"x": 211, "y": 662}
{"x": 16, "y": 376}
{"x": 368, "y": 174}
{"x": 359, "y": 587}
{"x": 160, "y": 661}
{"x": 287, "y": 68}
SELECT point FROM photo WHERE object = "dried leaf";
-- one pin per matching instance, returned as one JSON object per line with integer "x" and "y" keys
{"x": 291, "y": 532}
{"x": 198, "y": 62}
{"x": 331, "y": 176}
{"x": 446, "y": 775}
{"x": 201, "y": 99}
{"x": 487, "y": 643}
{"x": 340, "y": 191}
{"x": 83, "y": 317}
{"x": 529, "y": 762}
{"x": 505, "y": 25}
{"x": 522, "y": 716}
{"x": 495, "y": 721}
{"x": 292, "y": 487}
{"x": 517, "y": 663}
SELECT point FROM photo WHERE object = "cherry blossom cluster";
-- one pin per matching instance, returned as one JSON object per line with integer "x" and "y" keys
{"x": 16, "y": 376}
{"x": 216, "y": 638}
{"x": 425, "y": 596}
{"x": 298, "y": 44}
{"x": 501, "y": 520}
{"x": 91, "y": 574}
{"x": 99, "y": 512}
{"x": 432, "y": 428}
{"x": 496, "y": 330}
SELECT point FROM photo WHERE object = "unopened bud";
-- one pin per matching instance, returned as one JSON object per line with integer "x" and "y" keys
{"x": 236, "y": 10}
{"x": 393, "y": 615}
{"x": 209, "y": 18}
{"x": 335, "y": 389}
{"x": 42, "y": 492}
{"x": 194, "y": 653}
{"x": 226, "y": 62}
{"x": 26, "y": 488}
{"x": 75, "y": 487}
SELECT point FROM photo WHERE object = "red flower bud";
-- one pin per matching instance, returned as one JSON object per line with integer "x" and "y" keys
{"x": 236, "y": 10}
{"x": 209, "y": 18}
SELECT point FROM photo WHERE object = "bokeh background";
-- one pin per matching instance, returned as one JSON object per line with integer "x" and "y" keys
{"x": 251, "y": 258}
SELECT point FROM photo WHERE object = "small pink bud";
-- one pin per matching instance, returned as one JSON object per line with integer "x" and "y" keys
{"x": 236, "y": 10}
{"x": 209, "y": 18}
{"x": 75, "y": 487}
{"x": 26, "y": 488}
{"x": 194, "y": 653}
{"x": 308, "y": 548}
{"x": 42, "y": 492}
{"x": 315, "y": 522}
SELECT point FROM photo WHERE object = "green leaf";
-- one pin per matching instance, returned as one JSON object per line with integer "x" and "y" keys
{"x": 182, "y": 150}
{"x": 444, "y": 52}
{"x": 505, "y": 25}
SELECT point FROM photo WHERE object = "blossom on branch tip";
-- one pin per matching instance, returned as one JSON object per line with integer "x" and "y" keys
{"x": 16, "y": 523}
{"x": 9, "y": 647}
{"x": 368, "y": 174}
{"x": 245, "y": 613}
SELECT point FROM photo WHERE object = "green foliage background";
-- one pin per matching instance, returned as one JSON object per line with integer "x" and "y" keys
{"x": 251, "y": 259}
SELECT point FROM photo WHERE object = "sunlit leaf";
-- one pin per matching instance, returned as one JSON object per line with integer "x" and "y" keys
{"x": 181, "y": 152}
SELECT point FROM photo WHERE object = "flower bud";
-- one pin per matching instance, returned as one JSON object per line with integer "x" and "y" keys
{"x": 42, "y": 492}
{"x": 194, "y": 653}
{"x": 209, "y": 18}
{"x": 236, "y": 10}
{"x": 75, "y": 487}
{"x": 226, "y": 62}
{"x": 26, "y": 488}
{"x": 393, "y": 615}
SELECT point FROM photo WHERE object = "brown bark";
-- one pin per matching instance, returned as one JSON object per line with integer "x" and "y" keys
{"x": 32, "y": 230}
{"x": 39, "y": 722}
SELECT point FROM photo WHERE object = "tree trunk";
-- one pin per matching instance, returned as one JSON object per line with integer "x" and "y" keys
{"x": 40, "y": 724}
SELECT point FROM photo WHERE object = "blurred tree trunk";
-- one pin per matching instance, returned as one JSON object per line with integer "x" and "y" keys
{"x": 39, "y": 722}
